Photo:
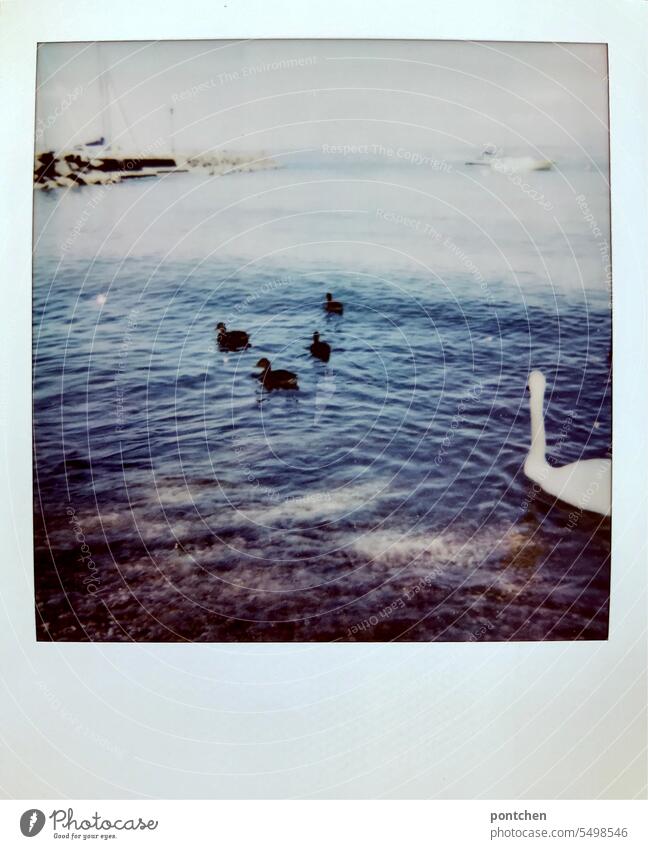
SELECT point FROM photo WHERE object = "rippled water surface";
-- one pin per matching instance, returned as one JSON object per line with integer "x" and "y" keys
{"x": 175, "y": 499}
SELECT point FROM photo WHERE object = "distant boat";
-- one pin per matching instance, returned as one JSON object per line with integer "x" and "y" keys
{"x": 491, "y": 157}
{"x": 486, "y": 158}
{"x": 513, "y": 164}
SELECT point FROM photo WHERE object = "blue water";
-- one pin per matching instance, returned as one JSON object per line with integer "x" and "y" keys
{"x": 175, "y": 499}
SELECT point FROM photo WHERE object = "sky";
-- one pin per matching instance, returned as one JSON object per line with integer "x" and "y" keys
{"x": 282, "y": 96}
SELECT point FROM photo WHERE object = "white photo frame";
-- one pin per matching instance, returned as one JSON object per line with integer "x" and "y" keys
{"x": 497, "y": 720}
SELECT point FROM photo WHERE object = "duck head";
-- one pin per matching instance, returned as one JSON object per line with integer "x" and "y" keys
{"x": 329, "y": 296}
{"x": 220, "y": 327}
{"x": 263, "y": 363}
{"x": 316, "y": 336}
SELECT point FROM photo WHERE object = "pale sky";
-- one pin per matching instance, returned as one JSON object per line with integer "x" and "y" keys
{"x": 284, "y": 96}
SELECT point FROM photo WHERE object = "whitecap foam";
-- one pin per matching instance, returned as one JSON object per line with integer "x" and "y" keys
{"x": 317, "y": 505}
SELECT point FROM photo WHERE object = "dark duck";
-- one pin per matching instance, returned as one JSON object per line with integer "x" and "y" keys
{"x": 232, "y": 340}
{"x": 320, "y": 349}
{"x": 333, "y": 306}
{"x": 276, "y": 378}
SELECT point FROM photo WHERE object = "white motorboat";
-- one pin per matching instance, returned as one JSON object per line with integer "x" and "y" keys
{"x": 493, "y": 158}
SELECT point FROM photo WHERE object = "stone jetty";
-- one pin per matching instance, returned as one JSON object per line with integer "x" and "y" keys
{"x": 54, "y": 170}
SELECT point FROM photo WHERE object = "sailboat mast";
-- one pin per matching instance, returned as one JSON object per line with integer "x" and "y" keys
{"x": 172, "y": 134}
{"x": 105, "y": 106}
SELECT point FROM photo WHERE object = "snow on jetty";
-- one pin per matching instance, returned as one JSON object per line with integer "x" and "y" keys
{"x": 84, "y": 168}
{"x": 222, "y": 162}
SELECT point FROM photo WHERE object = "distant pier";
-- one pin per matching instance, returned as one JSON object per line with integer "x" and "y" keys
{"x": 77, "y": 168}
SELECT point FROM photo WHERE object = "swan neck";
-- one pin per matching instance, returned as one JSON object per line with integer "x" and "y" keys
{"x": 538, "y": 440}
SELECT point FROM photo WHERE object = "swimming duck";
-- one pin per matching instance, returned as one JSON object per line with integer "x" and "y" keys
{"x": 232, "y": 340}
{"x": 586, "y": 484}
{"x": 333, "y": 306}
{"x": 320, "y": 349}
{"x": 276, "y": 378}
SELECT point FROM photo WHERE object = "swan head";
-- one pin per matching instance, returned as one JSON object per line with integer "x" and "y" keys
{"x": 537, "y": 383}
{"x": 263, "y": 363}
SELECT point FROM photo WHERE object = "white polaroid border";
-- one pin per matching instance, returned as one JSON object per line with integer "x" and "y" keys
{"x": 464, "y": 720}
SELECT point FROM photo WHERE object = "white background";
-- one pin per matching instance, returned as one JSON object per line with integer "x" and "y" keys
{"x": 553, "y": 720}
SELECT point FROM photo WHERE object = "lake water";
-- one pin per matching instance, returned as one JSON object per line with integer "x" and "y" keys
{"x": 175, "y": 499}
